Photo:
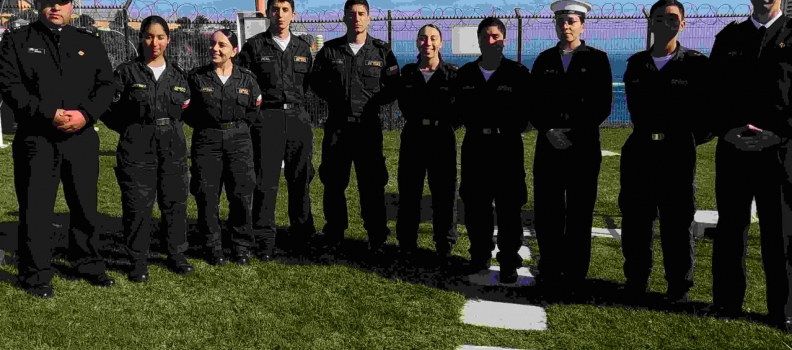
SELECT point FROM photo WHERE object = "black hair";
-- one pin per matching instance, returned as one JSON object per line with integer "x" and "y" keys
{"x": 349, "y": 3}
{"x": 144, "y": 28}
{"x": 271, "y": 3}
{"x": 667, "y": 3}
{"x": 232, "y": 38}
{"x": 491, "y": 22}
{"x": 430, "y": 25}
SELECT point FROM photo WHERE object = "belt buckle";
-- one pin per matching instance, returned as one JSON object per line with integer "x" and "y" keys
{"x": 657, "y": 137}
{"x": 286, "y": 106}
{"x": 226, "y": 126}
{"x": 161, "y": 121}
{"x": 351, "y": 119}
{"x": 427, "y": 122}
{"x": 487, "y": 131}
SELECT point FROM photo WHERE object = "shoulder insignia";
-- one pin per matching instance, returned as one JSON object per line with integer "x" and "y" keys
{"x": 452, "y": 66}
{"x": 380, "y": 43}
{"x": 246, "y": 71}
{"x": 88, "y": 31}
{"x": 179, "y": 68}
{"x": 729, "y": 27}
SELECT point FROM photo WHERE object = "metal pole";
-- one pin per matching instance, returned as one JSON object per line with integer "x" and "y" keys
{"x": 390, "y": 28}
{"x": 649, "y": 34}
{"x": 125, "y": 18}
{"x": 519, "y": 33}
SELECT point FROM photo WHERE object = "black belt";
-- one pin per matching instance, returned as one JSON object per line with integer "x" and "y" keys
{"x": 226, "y": 126}
{"x": 157, "y": 122}
{"x": 429, "y": 122}
{"x": 280, "y": 106}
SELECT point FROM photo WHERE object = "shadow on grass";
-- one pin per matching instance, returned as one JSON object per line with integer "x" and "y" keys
{"x": 392, "y": 210}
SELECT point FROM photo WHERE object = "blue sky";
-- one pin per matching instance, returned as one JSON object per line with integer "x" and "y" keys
{"x": 321, "y": 5}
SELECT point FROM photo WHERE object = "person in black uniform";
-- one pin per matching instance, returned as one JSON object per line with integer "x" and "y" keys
{"x": 58, "y": 81}
{"x": 151, "y": 156}
{"x": 356, "y": 74}
{"x": 752, "y": 121}
{"x": 493, "y": 162}
{"x": 224, "y": 103}
{"x": 281, "y": 61}
{"x": 428, "y": 144}
{"x": 576, "y": 95}
{"x": 658, "y": 160}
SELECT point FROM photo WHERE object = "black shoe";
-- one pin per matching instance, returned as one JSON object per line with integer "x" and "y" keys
{"x": 633, "y": 294}
{"x": 726, "y": 312}
{"x": 100, "y": 280}
{"x": 408, "y": 256}
{"x": 507, "y": 275}
{"x": 179, "y": 264}
{"x": 677, "y": 297}
{"x": 376, "y": 253}
{"x": 216, "y": 257}
{"x": 242, "y": 258}
{"x": 139, "y": 271}
{"x": 43, "y": 291}
{"x": 477, "y": 266}
{"x": 266, "y": 247}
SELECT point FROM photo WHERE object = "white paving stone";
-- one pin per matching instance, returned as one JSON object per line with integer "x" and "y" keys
{"x": 524, "y": 252}
{"x": 609, "y": 153}
{"x": 473, "y": 347}
{"x": 504, "y": 315}
{"x": 490, "y": 278}
{"x": 606, "y": 232}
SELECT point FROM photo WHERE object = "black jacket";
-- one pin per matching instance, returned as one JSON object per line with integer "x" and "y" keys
{"x": 497, "y": 103}
{"x": 281, "y": 75}
{"x": 39, "y": 75}
{"x": 355, "y": 85}
{"x": 419, "y": 99}
{"x": 580, "y": 98}
{"x": 752, "y": 86}
{"x": 140, "y": 99}
{"x": 212, "y": 102}
{"x": 671, "y": 100}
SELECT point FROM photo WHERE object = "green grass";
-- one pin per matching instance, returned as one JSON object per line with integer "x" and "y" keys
{"x": 265, "y": 305}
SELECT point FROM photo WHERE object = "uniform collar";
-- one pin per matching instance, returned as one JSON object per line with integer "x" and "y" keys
{"x": 677, "y": 54}
{"x": 769, "y": 23}
{"x": 582, "y": 47}
{"x": 270, "y": 38}
{"x": 143, "y": 66}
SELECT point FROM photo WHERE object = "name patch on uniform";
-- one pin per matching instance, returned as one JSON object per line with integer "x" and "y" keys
{"x": 444, "y": 88}
{"x": 468, "y": 87}
{"x": 179, "y": 89}
{"x": 393, "y": 70}
{"x": 206, "y": 89}
{"x": 244, "y": 91}
{"x": 636, "y": 81}
{"x": 35, "y": 50}
{"x": 733, "y": 53}
{"x": 139, "y": 86}
{"x": 679, "y": 82}
{"x": 374, "y": 63}
{"x": 550, "y": 71}
{"x": 504, "y": 88}
{"x": 338, "y": 61}
{"x": 301, "y": 59}
{"x": 265, "y": 59}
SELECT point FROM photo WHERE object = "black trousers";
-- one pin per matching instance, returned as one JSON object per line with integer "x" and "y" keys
{"x": 428, "y": 149}
{"x": 658, "y": 177}
{"x": 493, "y": 170}
{"x": 283, "y": 136}
{"x": 740, "y": 177}
{"x": 361, "y": 144}
{"x": 565, "y": 192}
{"x": 152, "y": 163}
{"x": 42, "y": 160}
{"x": 224, "y": 158}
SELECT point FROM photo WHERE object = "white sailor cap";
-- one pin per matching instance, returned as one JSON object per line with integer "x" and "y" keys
{"x": 576, "y": 7}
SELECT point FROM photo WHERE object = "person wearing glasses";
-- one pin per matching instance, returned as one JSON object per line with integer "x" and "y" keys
{"x": 658, "y": 160}
{"x": 428, "y": 145}
{"x": 575, "y": 97}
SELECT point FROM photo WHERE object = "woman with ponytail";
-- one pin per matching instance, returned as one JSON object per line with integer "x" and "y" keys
{"x": 151, "y": 159}
{"x": 428, "y": 144}
{"x": 225, "y": 102}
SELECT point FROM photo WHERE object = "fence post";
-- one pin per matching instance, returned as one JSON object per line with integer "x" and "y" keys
{"x": 390, "y": 29}
{"x": 519, "y": 33}
{"x": 125, "y": 18}
{"x": 649, "y": 34}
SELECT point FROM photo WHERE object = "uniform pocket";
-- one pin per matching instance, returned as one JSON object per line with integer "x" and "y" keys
{"x": 371, "y": 78}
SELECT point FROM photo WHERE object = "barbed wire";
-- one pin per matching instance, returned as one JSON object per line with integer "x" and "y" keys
{"x": 139, "y": 9}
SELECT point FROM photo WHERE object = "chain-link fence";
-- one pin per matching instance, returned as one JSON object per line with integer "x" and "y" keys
{"x": 619, "y": 30}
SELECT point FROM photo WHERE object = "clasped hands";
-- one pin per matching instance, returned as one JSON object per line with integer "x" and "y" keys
{"x": 69, "y": 121}
{"x": 558, "y": 138}
{"x": 761, "y": 138}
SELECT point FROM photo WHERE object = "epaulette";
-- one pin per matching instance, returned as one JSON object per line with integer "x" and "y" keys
{"x": 179, "y": 68}
{"x": 452, "y": 66}
{"x": 195, "y": 70}
{"x": 246, "y": 71}
{"x": 694, "y": 53}
{"x": 380, "y": 43}
{"x": 88, "y": 31}
{"x": 304, "y": 40}
{"x": 729, "y": 27}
